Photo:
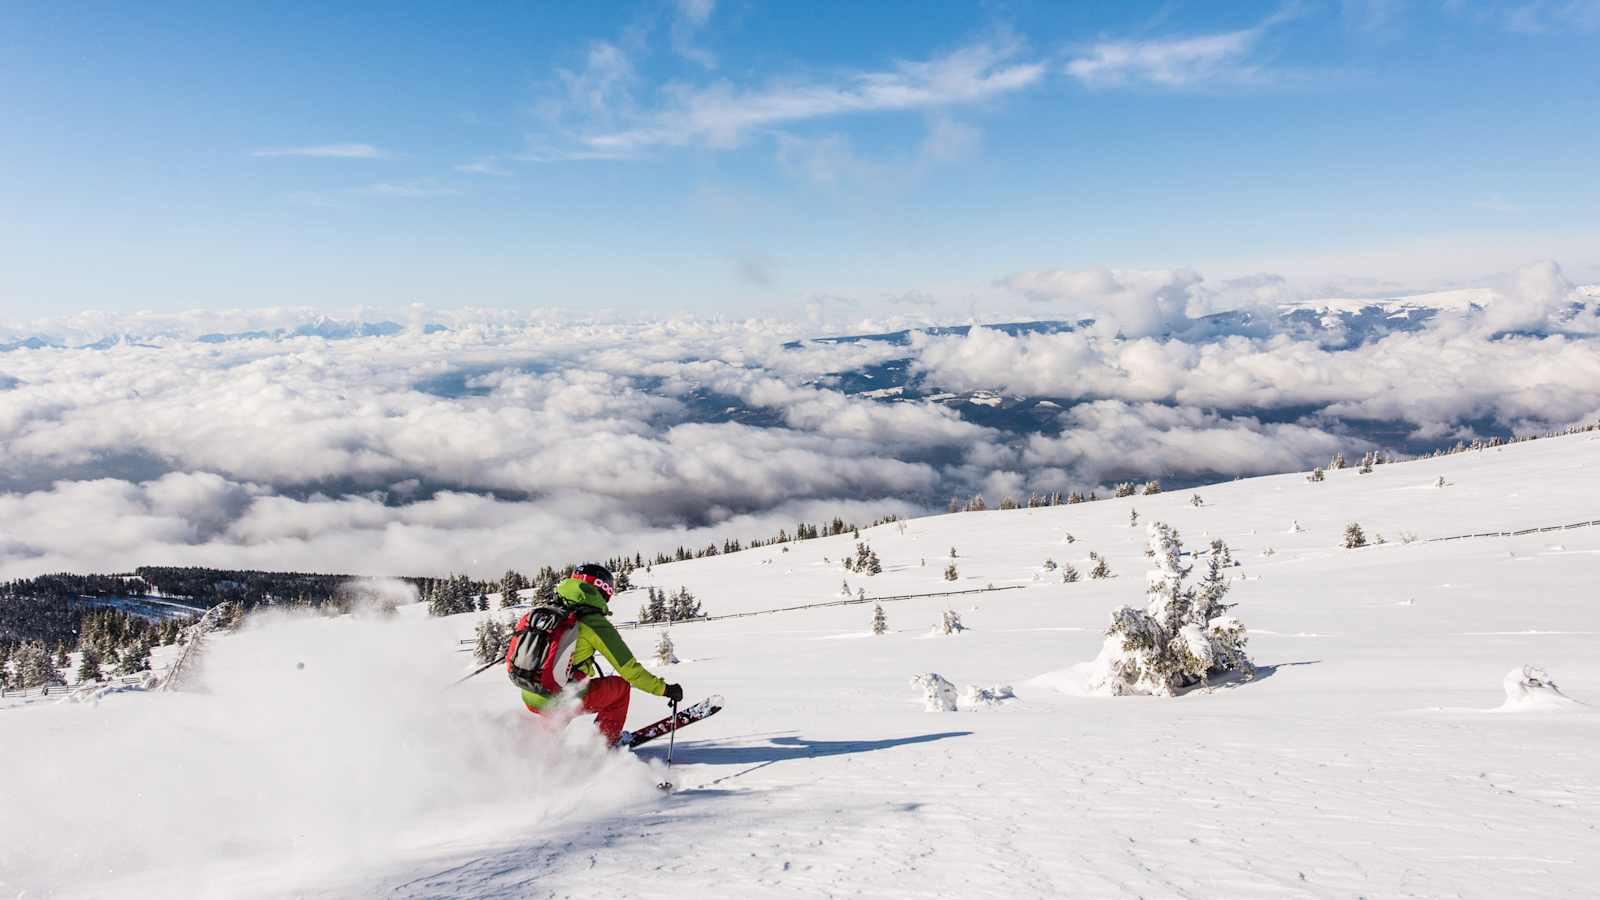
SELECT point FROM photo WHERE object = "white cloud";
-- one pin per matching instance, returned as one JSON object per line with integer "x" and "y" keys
{"x": 327, "y": 151}
{"x": 486, "y": 166}
{"x": 416, "y": 187}
{"x": 722, "y": 114}
{"x": 695, "y": 12}
{"x": 1176, "y": 62}
{"x": 479, "y": 447}
{"x": 1532, "y": 17}
{"x": 1529, "y": 298}
{"x": 1134, "y": 302}
{"x": 692, "y": 15}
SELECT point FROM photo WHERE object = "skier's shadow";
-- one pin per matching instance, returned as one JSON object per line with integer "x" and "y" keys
{"x": 779, "y": 749}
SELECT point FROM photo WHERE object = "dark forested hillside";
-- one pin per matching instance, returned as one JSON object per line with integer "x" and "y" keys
{"x": 51, "y": 608}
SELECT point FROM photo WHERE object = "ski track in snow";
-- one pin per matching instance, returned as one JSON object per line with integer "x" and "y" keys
{"x": 1360, "y": 763}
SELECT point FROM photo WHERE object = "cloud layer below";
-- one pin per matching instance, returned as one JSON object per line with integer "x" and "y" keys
{"x": 504, "y": 442}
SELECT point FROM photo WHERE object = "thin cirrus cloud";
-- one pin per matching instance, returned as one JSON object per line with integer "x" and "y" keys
{"x": 326, "y": 151}
{"x": 722, "y": 115}
{"x": 1177, "y": 62}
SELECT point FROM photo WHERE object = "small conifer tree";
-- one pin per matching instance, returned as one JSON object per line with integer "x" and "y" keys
{"x": 1182, "y": 637}
{"x": 950, "y": 573}
{"x": 1316, "y": 475}
{"x": 950, "y": 622}
{"x": 1133, "y": 518}
{"x": 880, "y": 624}
{"x": 1101, "y": 569}
{"x": 1196, "y": 501}
{"x": 1354, "y": 537}
{"x": 489, "y": 639}
{"x": 665, "y": 654}
{"x": 1068, "y": 574}
{"x": 683, "y": 606}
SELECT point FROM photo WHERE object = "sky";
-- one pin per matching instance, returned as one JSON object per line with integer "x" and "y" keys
{"x": 745, "y": 158}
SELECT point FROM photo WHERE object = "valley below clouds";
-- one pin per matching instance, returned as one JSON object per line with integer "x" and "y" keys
{"x": 498, "y": 440}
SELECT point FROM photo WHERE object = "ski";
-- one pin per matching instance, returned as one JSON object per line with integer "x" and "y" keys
{"x": 704, "y": 709}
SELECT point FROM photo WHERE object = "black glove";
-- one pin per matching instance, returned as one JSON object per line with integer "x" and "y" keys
{"x": 674, "y": 693}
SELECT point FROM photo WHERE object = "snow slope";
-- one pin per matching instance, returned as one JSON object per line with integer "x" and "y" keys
{"x": 1372, "y": 757}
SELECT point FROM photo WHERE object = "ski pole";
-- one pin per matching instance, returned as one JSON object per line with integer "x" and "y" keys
{"x": 672, "y": 737}
{"x": 479, "y": 671}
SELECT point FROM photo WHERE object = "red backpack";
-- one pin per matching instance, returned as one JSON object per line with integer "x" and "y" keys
{"x": 540, "y": 656}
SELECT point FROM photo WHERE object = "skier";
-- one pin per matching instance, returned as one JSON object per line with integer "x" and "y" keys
{"x": 586, "y": 592}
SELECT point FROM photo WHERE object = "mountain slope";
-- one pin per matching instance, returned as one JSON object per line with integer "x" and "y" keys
{"x": 1371, "y": 756}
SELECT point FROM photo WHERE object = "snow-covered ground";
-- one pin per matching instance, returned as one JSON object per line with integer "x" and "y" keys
{"x": 1373, "y": 755}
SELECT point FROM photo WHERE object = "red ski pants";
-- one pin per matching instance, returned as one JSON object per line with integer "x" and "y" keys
{"x": 607, "y": 698}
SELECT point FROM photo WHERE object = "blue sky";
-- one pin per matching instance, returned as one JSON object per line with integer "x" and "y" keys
{"x": 748, "y": 157}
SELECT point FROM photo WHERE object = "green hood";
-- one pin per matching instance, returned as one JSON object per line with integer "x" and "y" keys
{"x": 580, "y": 593}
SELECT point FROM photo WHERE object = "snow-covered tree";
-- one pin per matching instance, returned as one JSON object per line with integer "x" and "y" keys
{"x": 665, "y": 654}
{"x": 866, "y": 561}
{"x": 1068, "y": 574}
{"x": 510, "y": 585}
{"x": 489, "y": 639}
{"x": 34, "y": 667}
{"x": 879, "y": 623}
{"x": 683, "y": 606}
{"x": 1441, "y": 482}
{"x": 1101, "y": 568}
{"x": 950, "y": 622}
{"x": 844, "y": 588}
{"x": 89, "y": 666}
{"x": 1196, "y": 501}
{"x": 1151, "y": 487}
{"x": 1316, "y": 475}
{"x": 1354, "y": 537}
{"x": 1182, "y": 637}
{"x": 1125, "y": 489}
{"x": 1133, "y": 518}
{"x": 1069, "y": 538}
{"x": 658, "y": 606}
{"x": 952, "y": 552}
{"x": 135, "y": 659}
{"x": 1337, "y": 462}
{"x": 939, "y": 695}
{"x": 1049, "y": 564}
{"x": 544, "y": 584}
{"x": 950, "y": 573}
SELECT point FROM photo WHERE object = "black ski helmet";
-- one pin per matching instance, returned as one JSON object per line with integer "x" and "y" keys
{"x": 597, "y": 575}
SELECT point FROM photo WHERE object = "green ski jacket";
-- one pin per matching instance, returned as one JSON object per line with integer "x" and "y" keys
{"x": 596, "y": 633}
